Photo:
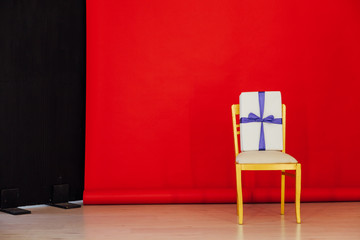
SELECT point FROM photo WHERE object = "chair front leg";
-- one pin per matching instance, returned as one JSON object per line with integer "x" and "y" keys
{"x": 239, "y": 193}
{"x": 297, "y": 194}
{"x": 282, "y": 211}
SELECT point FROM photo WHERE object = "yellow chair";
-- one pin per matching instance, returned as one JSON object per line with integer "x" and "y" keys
{"x": 265, "y": 166}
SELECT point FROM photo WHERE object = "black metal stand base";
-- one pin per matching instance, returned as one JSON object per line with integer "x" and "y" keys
{"x": 60, "y": 197}
{"x": 15, "y": 211}
{"x": 65, "y": 205}
{"x": 9, "y": 202}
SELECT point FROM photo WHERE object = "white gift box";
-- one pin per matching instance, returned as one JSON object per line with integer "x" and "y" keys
{"x": 250, "y": 131}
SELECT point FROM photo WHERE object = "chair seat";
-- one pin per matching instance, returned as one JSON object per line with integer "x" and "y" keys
{"x": 258, "y": 157}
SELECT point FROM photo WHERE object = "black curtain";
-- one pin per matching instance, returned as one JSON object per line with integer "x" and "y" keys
{"x": 42, "y": 97}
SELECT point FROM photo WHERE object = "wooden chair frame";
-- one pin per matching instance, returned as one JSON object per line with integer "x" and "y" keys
{"x": 273, "y": 166}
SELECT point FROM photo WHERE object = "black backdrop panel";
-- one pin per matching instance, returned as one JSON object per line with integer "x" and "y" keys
{"x": 42, "y": 97}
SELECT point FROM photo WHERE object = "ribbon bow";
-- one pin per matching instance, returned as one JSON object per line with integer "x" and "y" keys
{"x": 254, "y": 118}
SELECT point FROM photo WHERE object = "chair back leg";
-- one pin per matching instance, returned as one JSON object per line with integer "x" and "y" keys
{"x": 282, "y": 211}
{"x": 297, "y": 194}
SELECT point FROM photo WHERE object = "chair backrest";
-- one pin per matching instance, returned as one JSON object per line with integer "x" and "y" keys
{"x": 235, "y": 109}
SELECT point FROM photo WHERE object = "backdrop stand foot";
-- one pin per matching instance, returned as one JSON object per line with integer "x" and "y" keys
{"x": 60, "y": 197}
{"x": 9, "y": 202}
{"x": 65, "y": 205}
{"x": 15, "y": 211}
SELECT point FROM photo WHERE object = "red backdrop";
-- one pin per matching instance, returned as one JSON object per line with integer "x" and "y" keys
{"x": 162, "y": 74}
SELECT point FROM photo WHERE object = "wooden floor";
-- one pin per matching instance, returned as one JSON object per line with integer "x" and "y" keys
{"x": 188, "y": 221}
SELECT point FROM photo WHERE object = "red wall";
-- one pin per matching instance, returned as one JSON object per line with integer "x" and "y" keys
{"x": 162, "y": 74}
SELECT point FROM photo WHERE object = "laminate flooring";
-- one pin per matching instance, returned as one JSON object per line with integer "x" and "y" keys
{"x": 336, "y": 220}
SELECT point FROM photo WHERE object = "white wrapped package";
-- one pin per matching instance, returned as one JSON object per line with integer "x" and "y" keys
{"x": 252, "y": 138}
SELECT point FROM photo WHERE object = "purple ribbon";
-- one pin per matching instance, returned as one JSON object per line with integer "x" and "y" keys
{"x": 254, "y": 118}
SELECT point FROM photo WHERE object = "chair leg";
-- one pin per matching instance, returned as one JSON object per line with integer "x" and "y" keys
{"x": 282, "y": 211}
{"x": 297, "y": 194}
{"x": 237, "y": 206}
{"x": 239, "y": 193}
{"x": 237, "y": 197}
